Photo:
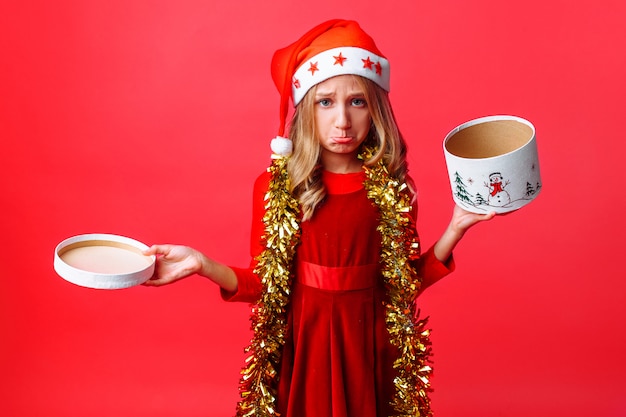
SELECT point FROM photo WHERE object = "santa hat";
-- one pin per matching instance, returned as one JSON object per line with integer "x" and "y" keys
{"x": 335, "y": 47}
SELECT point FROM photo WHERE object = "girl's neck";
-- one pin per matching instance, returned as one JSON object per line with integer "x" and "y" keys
{"x": 341, "y": 163}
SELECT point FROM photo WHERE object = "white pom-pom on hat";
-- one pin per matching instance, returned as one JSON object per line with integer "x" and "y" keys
{"x": 281, "y": 146}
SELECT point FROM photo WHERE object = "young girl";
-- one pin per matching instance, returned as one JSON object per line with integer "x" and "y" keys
{"x": 336, "y": 261}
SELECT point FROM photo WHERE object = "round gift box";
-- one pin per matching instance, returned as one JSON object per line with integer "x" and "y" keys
{"x": 493, "y": 164}
{"x": 103, "y": 261}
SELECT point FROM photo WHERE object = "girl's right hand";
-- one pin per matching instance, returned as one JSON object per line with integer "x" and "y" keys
{"x": 173, "y": 262}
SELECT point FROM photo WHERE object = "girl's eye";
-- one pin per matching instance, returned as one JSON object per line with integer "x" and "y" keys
{"x": 324, "y": 102}
{"x": 358, "y": 102}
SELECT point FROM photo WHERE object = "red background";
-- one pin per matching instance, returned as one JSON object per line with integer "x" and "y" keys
{"x": 151, "y": 119}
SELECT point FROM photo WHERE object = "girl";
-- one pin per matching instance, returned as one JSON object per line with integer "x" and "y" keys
{"x": 336, "y": 261}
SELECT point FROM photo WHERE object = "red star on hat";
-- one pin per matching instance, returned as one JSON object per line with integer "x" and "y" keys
{"x": 313, "y": 68}
{"x": 339, "y": 59}
{"x": 379, "y": 68}
{"x": 367, "y": 63}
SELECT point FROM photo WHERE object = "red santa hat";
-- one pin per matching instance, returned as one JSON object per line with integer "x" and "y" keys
{"x": 335, "y": 47}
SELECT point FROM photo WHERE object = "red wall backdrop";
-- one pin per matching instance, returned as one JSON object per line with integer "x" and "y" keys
{"x": 152, "y": 118}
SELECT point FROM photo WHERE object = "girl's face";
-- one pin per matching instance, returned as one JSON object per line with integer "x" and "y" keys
{"x": 342, "y": 120}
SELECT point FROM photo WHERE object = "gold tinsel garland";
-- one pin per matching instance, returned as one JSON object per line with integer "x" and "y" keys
{"x": 399, "y": 251}
{"x": 269, "y": 316}
{"x": 400, "y": 246}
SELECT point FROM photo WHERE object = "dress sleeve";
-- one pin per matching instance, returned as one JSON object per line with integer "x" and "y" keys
{"x": 431, "y": 269}
{"x": 249, "y": 286}
{"x": 428, "y": 267}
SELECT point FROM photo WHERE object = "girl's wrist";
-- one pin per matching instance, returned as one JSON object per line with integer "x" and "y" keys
{"x": 454, "y": 233}
{"x": 205, "y": 267}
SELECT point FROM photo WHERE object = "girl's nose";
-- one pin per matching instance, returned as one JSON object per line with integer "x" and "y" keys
{"x": 342, "y": 119}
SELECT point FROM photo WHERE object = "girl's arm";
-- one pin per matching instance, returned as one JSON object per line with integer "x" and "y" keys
{"x": 176, "y": 262}
{"x": 460, "y": 223}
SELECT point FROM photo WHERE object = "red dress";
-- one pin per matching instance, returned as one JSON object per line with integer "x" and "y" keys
{"x": 337, "y": 360}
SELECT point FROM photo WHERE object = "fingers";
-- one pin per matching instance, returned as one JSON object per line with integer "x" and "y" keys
{"x": 157, "y": 278}
{"x": 155, "y": 282}
{"x": 158, "y": 250}
{"x": 152, "y": 282}
{"x": 482, "y": 218}
{"x": 489, "y": 216}
{"x": 160, "y": 277}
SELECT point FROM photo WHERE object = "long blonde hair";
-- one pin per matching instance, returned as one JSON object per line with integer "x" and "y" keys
{"x": 304, "y": 166}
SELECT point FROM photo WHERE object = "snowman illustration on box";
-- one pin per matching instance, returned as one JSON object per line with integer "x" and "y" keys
{"x": 497, "y": 196}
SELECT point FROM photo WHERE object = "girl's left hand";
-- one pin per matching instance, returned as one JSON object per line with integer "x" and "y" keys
{"x": 462, "y": 219}
{"x": 460, "y": 223}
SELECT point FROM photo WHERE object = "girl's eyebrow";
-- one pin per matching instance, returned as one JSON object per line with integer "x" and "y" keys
{"x": 355, "y": 93}
{"x": 322, "y": 93}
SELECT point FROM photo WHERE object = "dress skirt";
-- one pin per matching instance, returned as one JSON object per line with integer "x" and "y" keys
{"x": 337, "y": 360}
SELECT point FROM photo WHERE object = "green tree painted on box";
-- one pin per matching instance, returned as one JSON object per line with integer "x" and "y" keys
{"x": 460, "y": 189}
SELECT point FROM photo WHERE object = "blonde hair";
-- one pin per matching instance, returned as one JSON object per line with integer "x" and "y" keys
{"x": 304, "y": 166}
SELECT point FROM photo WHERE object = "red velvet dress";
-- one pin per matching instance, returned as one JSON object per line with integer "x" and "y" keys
{"x": 337, "y": 360}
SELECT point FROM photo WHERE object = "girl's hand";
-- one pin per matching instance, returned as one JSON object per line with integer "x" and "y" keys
{"x": 173, "y": 262}
{"x": 462, "y": 220}
{"x": 460, "y": 223}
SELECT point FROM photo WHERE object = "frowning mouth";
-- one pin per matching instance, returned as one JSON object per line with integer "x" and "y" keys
{"x": 342, "y": 139}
